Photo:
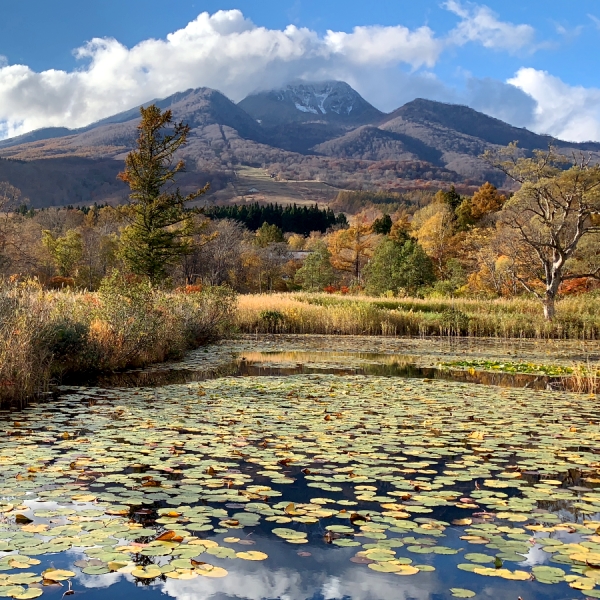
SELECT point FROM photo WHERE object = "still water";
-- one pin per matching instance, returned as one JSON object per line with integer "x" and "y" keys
{"x": 299, "y": 476}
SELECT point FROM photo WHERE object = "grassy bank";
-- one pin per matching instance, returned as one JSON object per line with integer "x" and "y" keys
{"x": 577, "y": 317}
{"x": 46, "y": 335}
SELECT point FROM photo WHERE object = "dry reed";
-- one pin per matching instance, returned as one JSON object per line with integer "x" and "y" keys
{"x": 577, "y": 318}
{"x": 45, "y": 335}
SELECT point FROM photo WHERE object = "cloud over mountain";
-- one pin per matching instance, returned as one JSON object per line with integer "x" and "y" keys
{"x": 569, "y": 112}
{"x": 388, "y": 65}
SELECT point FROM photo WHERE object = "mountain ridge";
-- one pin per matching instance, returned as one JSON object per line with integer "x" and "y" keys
{"x": 328, "y": 101}
{"x": 323, "y": 131}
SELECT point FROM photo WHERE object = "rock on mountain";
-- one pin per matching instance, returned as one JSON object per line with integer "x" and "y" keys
{"x": 328, "y": 101}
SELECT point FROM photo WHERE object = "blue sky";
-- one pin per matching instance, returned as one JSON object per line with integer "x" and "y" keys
{"x": 532, "y": 63}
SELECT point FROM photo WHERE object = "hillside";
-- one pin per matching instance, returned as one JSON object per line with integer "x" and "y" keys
{"x": 327, "y": 102}
{"x": 321, "y": 132}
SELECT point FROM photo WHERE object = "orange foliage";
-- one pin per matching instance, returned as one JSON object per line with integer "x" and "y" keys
{"x": 579, "y": 286}
{"x": 190, "y": 289}
{"x": 487, "y": 199}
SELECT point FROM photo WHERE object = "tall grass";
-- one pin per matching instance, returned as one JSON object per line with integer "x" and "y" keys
{"x": 577, "y": 317}
{"x": 585, "y": 378}
{"x": 47, "y": 335}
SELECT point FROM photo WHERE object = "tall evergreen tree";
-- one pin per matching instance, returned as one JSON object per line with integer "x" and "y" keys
{"x": 160, "y": 224}
{"x": 290, "y": 218}
{"x": 451, "y": 197}
{"x": 383, "y": 225}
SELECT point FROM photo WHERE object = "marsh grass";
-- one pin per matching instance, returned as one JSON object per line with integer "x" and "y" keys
{"x": 47, "y": 335}
{"x": 585, "y": 378}
{"x": 577, "y": 317}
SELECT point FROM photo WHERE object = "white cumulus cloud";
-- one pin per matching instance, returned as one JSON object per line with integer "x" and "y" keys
{"x": 568, "y": 112}
{"x": 225, "y": 51}
{"x": 481, "y": 24}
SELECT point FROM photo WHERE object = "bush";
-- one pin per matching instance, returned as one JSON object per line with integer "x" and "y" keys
{"x": 25, "y": 359}
{"x": 271, "y": 320}
{"x": 65, "y": 339}
{"x": 128, "y": 323}
{"x": 203, "y": 316}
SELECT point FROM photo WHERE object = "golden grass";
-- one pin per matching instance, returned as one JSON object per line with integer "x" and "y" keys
{"x": 45, "y": 335}
{"x": 577, "y": 317}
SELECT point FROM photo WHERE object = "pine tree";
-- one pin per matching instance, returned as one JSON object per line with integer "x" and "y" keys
{"x": 383, "y": 225}
{"x": 160, "y": 224}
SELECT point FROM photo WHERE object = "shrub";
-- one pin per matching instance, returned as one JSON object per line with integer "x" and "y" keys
{"x": 25, "y": 360}
{"x": 272, "y": 320}
{"x": 454, "y": 322}
{"x": 128, "y": 323}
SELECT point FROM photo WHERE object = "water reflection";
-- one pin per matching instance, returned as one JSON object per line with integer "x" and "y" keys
{"x": 277, "y": 364}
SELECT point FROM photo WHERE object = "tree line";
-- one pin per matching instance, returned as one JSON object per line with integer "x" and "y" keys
{"x": 289, "y": 218}
{"x": 542, "y": 240}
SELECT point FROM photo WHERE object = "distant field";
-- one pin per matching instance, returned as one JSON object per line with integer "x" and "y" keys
{"x": 271, "y": 190}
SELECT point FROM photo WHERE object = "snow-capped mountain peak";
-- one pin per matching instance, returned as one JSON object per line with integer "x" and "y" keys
{"x": 320, "y": 98}
{"x": 329, "y": 101}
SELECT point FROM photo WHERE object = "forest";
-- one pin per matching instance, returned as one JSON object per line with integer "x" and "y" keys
{"x": 431, "y": 245}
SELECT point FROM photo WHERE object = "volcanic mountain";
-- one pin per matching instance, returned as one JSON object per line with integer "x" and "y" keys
{"x": 322, "y": 131}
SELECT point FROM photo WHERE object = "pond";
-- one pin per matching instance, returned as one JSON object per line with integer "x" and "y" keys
{"x": 329, "y": 478}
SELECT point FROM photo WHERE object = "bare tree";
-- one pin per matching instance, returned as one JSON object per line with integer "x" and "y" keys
{"x": 9, "y": 201}
{"x": 221, "y": 257}
{"x": 555, "y": 214}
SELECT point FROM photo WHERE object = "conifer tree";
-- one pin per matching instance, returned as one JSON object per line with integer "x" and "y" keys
{"x": 160, "y": 224}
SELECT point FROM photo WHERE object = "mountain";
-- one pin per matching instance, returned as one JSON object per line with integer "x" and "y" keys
{"x": 469, "y": 122}
{"x": 461, "y": 134}
{"x": 326, "y": 102}
{"x": 199, "y": 108}
{"x": 372, "y": 143}
{"x": 321, "y": 132}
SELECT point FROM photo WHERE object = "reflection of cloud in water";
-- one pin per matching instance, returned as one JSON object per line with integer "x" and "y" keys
{"x": 99, "y": 581}
{"x": 356, "y": 583}
{"x": 361, "y": 585}
{"x": 535, "y": 556}
{"x": 93, "y": 581}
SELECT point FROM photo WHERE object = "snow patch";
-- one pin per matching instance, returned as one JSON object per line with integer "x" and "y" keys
{"x": 306, "y": 109}
{"x": 322, "y": 98}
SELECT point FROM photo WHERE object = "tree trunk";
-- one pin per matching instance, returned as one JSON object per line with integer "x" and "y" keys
{"x": 549, "y": 307}
{"x": 552, "y": 285}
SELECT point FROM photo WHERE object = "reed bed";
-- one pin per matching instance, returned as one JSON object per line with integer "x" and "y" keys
{"x": 577, "y": 318}
{"x": 47, "y": 335}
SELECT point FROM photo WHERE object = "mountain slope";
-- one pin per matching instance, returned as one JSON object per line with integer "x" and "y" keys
{"x": 372, "y": 143}
{"x": 461, "y": 119}
{"x": 328, "y": 102}
{"x": 198, "y": 108}
{"x": 321, "y": 132}
{"x": 461, "y": 134}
